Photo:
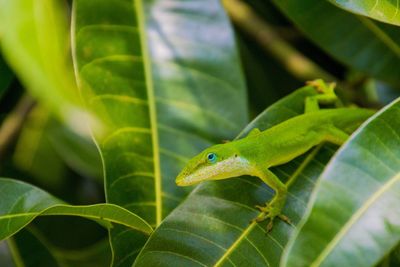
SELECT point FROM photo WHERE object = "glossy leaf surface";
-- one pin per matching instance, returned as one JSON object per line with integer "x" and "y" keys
{"x": 211, "y": 227}
{"x": 383, "y": 10}
{"x": 352, "y": 221}
{"x": 21, "y": 203}
{"x": 163, "y": 88}
{"x": 359, "y": 42}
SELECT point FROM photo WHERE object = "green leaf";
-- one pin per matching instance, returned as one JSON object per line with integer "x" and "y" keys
{"x": 21, "y": 203}
{"x": 34, "y": 40}
{"x": 383, "y": 10}
{"x": 164, "y": 89}
{"x": 361, "y": 43}
{"x": 211, "y": 227}
{"x": 352, "y": 212}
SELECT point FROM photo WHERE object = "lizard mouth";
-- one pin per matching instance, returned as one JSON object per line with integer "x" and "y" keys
{"x": 180, "y": 182}
{"x": 189, "y": 176}
{"x": 185, "y": 180}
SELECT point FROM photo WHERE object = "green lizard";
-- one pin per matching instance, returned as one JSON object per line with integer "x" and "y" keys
{"x": 258, "y": 151}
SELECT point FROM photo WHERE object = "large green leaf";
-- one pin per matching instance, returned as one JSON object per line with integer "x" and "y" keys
{"x": 165, "y": 85}
{"x": 211, "y": 227}
{"x": 354, "y": 220}
{"x": 21, "y": 203}
{"x": 359, "y": 42}
{"x": 34, "y": 40}
{"x": 383, "y": 10}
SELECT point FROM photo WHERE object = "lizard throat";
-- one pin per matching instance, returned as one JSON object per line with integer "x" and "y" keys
{"x": 230, "y": 167}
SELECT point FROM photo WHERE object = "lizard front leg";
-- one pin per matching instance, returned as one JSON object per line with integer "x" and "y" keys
{"x": 326, "y": 95}
{"x": 272, "y": 209}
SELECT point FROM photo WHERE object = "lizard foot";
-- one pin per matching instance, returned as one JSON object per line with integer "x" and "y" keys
{"x": 270, "y": 212}
{"x": 321, "y": 86}
{"x": 326, "y": 95}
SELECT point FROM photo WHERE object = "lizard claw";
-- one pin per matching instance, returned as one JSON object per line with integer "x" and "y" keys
{"x": 269, "y": 226}
{"x": 268, "y": 212}
{"x": 262, "y": 208}
{"x": 284, "y": 218}
{"x": 321, "y": 86}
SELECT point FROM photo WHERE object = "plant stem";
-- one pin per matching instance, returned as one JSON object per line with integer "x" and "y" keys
{"x": 13, "y": 123}
{"x": 296, "y": 63}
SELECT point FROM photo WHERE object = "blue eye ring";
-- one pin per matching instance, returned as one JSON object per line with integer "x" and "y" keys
{"x": 212, "y": 157}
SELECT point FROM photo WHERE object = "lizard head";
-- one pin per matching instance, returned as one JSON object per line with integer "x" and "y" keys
{"x": 214, "y": 163}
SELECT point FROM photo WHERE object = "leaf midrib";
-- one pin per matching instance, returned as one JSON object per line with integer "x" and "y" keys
{"x": 152, "y": 107}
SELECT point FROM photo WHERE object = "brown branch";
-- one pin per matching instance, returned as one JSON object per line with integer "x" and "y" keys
{"x": 13, "y": 123}
{"x": 296, "y": 63}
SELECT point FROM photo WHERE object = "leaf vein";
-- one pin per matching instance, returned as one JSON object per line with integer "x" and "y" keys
{"x": 357, "y": 215}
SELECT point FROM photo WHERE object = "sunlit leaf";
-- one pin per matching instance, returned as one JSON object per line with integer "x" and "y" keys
{"x": 353, "y": 221}
{"x": 164, "y": 89}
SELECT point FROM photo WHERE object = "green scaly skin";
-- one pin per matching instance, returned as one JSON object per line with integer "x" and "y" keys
{"x": 258, "y": 151}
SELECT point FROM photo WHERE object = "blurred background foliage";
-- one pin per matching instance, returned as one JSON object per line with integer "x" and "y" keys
{"x": 42, "y": 141}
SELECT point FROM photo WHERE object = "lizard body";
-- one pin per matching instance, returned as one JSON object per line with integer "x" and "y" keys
{"x": 254, "y": 154}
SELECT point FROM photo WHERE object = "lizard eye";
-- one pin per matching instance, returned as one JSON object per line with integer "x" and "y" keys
{"x": 211, "y": 157}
